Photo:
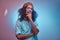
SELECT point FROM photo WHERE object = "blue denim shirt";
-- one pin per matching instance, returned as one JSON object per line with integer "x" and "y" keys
{"x": 24, "y": 27}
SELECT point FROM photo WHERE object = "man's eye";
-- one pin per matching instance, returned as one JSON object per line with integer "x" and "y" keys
{"x": 28, "y": 7}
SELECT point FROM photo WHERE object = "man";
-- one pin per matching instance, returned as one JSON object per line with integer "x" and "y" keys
{"x": 25, "y": 26}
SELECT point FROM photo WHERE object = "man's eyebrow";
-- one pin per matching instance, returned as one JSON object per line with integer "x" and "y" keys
{"x": 29, "y": 7}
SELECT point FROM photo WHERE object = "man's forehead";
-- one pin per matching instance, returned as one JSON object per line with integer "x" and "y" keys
{"x": 29, "y": 6}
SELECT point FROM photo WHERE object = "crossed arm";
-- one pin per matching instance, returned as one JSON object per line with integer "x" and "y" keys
{"x": 34, "y": 32}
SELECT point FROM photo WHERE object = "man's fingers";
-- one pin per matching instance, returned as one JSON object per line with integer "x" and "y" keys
{"x": 27, "y": 15}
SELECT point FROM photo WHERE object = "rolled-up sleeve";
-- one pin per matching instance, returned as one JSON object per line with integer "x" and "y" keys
{"x": 36, "y": 24}
{"x": 17, "y": 28}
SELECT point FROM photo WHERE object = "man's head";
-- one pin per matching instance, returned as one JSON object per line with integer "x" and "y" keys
{"x": 29, "y": 9}
{"x": 26, "y": 9}
{"x": 29, "y": 6}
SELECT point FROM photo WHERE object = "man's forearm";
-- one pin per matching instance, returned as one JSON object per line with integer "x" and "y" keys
{"x": 24, "y": 36}
{"x": 33, "y": 26}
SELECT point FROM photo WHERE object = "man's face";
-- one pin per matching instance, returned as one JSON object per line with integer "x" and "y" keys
{"x": 29, "y": 9}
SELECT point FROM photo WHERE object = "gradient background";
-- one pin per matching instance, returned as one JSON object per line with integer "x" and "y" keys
{"x": 48, "y": 18}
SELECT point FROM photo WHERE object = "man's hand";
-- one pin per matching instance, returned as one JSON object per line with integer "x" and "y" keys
{"x": 29, "y": 16}
{"x": 35, "y": 32}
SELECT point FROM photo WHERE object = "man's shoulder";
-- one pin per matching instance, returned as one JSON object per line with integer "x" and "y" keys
{"x": 18, "y": 21}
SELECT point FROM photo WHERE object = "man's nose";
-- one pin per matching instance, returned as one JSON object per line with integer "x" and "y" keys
{"x": 30, "y": 10}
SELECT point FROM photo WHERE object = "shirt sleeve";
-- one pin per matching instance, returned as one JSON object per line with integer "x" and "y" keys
{"x": 36, "y": 24}
{"x": 18, "y": 28}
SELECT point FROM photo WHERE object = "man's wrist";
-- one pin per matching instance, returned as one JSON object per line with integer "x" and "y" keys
{"x": 32, "y": 34}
